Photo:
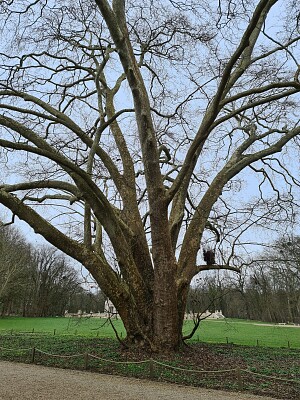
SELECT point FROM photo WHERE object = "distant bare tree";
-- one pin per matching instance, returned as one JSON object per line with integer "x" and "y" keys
{"x": 14, "y": 260}
{"x": 53, "y": 282}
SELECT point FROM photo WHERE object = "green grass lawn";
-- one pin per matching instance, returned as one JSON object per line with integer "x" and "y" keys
{"x": 241, "y": 332}
{"x": 249, "y": 333}
{"x": 93, "y": 327}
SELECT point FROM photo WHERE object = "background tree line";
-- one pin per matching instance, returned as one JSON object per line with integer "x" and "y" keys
{"x": 39, "y": 281}
{"x": 267, "y": 290}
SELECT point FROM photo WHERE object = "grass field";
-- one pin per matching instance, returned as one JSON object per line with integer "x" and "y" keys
{"x": 241, "y": 332}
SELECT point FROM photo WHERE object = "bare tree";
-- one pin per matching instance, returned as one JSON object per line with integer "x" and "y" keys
{"x": 53, "y": 282}
{"x": 128, "y": 129}
{"x": 37, "y": 282}
{"x": 15, "y": 257}
{"x": 278, "y": 278}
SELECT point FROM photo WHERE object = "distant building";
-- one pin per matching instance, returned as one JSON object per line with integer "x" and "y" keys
{"x": 207, "y": 315}
{"x": 110, "y": 311}
{"x": 109, "y": 307}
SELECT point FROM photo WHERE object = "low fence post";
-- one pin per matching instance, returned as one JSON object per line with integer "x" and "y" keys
{"x": 86, "y": 360}
{"x": 239, "y": 378}
{"x": 33, "y": 355}
{"x": 151, "y": 369}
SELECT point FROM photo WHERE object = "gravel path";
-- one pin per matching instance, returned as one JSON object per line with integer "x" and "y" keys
{"x": 27, "y": 381}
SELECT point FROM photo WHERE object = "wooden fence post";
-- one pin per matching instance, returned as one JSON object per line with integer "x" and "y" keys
{"x": 33, "y": 355}
{"x": 239, "y": 378}
{"x": 86, "y": 360}
{"x": 151, "y": 369}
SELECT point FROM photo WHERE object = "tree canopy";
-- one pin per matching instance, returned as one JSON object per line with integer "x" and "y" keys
{"x": 129, "y": 131}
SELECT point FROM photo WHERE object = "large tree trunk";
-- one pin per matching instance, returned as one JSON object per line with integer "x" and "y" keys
{"x": 156, "y": 325}
{"x": 166, "y": 327}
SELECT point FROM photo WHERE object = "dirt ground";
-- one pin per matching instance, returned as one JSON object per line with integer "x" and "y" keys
{"x": 27, "y": 381}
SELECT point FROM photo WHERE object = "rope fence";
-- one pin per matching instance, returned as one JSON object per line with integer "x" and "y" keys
{"x": 153, "y": 365}
{"x": 285, "y": 343}
{"x": 273, "y": 378}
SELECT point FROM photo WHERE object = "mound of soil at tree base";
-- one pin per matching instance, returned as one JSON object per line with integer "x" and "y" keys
{"x": 27, "y": 382}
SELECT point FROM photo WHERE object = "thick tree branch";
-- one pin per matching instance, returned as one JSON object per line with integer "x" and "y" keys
{"x": 214, "y": 108}
{"x": 63, "y": 119}
{"x": 237, "y": 162}
{"x": 161, "y": 241}
{"x": 45, "y": 184}
{"x": 264, "y": 89}
{"x": 229, "y": 77}
{"x": 201, "y": 268}
{"x": 96, "y": 265}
